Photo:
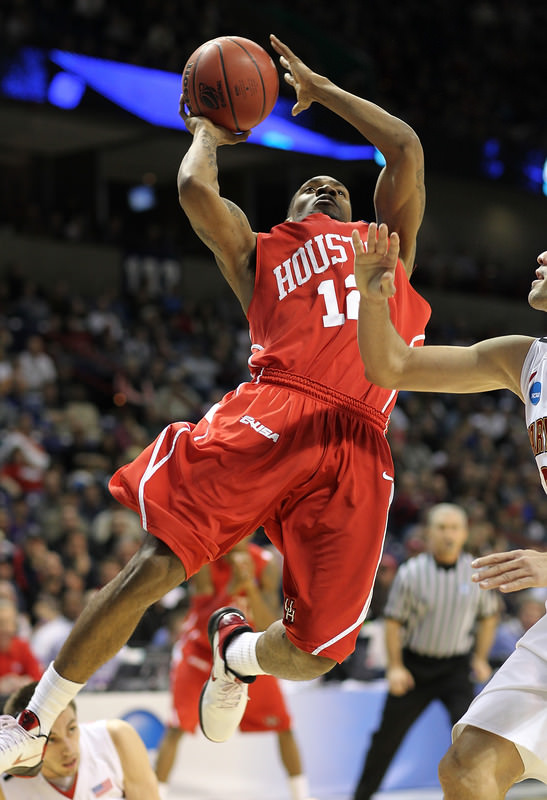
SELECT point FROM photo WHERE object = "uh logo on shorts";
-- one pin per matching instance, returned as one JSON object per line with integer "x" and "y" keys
{"x": 288, "y": 610}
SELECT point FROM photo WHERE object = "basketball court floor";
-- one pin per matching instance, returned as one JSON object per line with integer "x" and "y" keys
{"x": 528, "y": 790}
{"x": 247, "y": 767}
{"x": 236, "y": 778}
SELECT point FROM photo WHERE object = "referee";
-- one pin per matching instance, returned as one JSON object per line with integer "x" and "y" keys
{"x": 439, "y": 627}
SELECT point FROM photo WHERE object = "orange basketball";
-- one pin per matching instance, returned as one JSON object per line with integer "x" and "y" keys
{"x": 232, "y": 81}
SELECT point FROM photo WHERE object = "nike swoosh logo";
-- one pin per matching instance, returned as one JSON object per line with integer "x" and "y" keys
{"x": 387, "y": 477}
{"x": 20, "y": 760}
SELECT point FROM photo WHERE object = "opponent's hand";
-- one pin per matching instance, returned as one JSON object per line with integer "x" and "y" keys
{"x": 400, "y": 681}
{"x": 511, "y": 571}
{"x": 297, "y": 75}
{"x": 222, "y": 135}
{"x": 375, "y": 264}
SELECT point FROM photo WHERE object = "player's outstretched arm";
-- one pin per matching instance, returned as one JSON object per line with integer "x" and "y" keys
{"x": 140, "y": 782}
{"x": 511, "y": 571}
{"x": 390, "y": 362}
{"x": 400, "y": 191}
{"x": 386, "y": 356}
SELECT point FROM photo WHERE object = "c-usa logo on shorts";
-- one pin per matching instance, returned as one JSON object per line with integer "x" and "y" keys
{"x": 257, "y": 426}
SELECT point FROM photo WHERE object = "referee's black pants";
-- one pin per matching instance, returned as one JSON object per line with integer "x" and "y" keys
{"x": 444, "y": 679}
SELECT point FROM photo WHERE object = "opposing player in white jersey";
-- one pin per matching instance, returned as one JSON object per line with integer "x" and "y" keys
{"x": 87, "y": 761}
{"x": 502, "y": 738}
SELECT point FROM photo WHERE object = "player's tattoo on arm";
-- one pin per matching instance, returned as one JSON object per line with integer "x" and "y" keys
{"x": 236, "y": 212}
{"x": 210, "y": 148}
{"x": 208, "y": 240}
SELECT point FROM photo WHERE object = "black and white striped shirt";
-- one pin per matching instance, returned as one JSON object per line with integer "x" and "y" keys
{"x": 438, "y": 607}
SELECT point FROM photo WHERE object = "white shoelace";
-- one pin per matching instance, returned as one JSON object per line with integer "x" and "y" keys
{"x": 229, "y": 694}
{"x": 18, "y": 735}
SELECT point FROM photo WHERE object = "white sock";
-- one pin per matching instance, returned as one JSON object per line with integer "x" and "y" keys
{"x": 299, "y": 787}
{"x": 241, "y": 654}
{"x": 51, "y": 697}
{"x": 163, "y": 789}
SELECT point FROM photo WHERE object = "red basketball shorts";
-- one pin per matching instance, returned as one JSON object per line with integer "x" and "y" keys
{"x": 313, "y": 468}
{"x": 266, "y": 709}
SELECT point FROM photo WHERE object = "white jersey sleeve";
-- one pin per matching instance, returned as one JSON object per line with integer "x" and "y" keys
{"x": 100, "y": 774}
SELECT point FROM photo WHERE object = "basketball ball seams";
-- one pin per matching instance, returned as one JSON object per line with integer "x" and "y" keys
{"x": 195, "y": 92}
{"x": 232, "y": 81}
{"x": 259, "y": 73}
{"x": 227, "y": 85}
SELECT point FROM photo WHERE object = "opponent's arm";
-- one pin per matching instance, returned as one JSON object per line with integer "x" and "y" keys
{"x": 391, "y": 363}
{"x": 399, "y": 197}
{"x": 218, "y": 222}
{"x": 140, "y": 782}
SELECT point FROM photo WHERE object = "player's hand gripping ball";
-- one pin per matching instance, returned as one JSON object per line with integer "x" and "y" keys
{"x": 232, "y": 81}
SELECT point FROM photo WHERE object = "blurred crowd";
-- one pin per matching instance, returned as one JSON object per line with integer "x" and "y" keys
{"x": 87, "y": 382}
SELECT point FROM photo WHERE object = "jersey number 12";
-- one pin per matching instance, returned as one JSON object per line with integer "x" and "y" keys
{"x": 334, "y": 316}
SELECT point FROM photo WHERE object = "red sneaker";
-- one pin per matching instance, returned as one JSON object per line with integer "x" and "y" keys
{"x": 224, "y": 695}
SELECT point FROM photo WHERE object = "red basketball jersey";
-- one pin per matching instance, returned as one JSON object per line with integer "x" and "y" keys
{"x": 315, "y": 333}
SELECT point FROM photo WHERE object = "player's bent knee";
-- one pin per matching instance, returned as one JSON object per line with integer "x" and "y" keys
{"x": 154, "y": 568}
{"x": 458, "y": 785}
{"x": 478, "y": 766}
{"x": 450, "y": 770}
{"x": 311, "y": 666}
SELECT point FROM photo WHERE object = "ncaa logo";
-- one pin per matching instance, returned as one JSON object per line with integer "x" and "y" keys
{"x": 535, "y": 393}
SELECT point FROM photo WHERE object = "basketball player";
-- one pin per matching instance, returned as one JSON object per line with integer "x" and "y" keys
{"x": 248, "y": 576}
{"x": 300, "y": 449}
{"x": 103, "y": 759}
{"x": 502, "y": 738}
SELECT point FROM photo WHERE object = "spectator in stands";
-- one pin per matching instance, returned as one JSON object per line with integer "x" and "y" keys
{"x": 10, "y": 592}
{"x": 6, "y": 366}
{"x": 529, "y": 610}
{"x": 23, "y": 458}
{"x": 50, "y": 628}
{"x": 77, "y": 557}
{"x": 36, "y": 365}
{"x": 385, "y": 576}
{"x": 18, "y": 663}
